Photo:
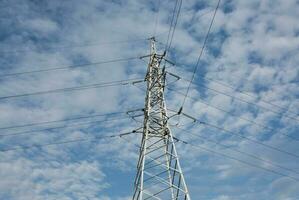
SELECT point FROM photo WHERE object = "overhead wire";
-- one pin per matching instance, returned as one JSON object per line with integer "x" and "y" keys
{"x": 70, "y": 67}
{"x": 174, "y": 22}
{"x": 241, "y": 92}
{"x": 236, "y": 98}
{"x": 167, "y": 46}
{"x": 110, "y": 136}
{"x": 219, "y": 82}
{"x": 240, "y": 135}
{"x": 82, "y": 87}
{"x": 201, "y": 53}
{"x": 171, "y": 23}
{"x": 232, "y": 114}
{"x": 61, "y": 120}
{"x": 247, "y": 79}
{"x": 73, "y": 124}
{"x": 249, "y": 95}
{"x": 269, "y": 162}
{"x": 75, "y": 46}
{"x": 202, "y": 14}
{"x": 95, "y": 138}
{"x": 236, "y": 159}
{"x": 245, "y": 101}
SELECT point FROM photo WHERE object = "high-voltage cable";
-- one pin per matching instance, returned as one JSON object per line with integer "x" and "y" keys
{"x": 69, "y": 89}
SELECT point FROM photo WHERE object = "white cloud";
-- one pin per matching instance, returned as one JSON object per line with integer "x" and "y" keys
{"x": 28, "y": 179}
{"x": 41, "y": 25}
{"x": 264, "y": 29}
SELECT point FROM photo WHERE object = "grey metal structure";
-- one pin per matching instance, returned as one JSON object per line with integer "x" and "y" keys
{"x": 159, "y": 174}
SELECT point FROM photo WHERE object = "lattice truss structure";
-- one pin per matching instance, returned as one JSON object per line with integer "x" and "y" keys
{"x": 159, "y": 174}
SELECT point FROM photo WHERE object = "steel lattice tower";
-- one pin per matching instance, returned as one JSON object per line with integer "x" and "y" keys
{"x": 159, "y": 175}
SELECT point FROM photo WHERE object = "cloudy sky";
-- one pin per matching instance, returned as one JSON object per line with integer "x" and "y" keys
{"x": 245, "y": 92}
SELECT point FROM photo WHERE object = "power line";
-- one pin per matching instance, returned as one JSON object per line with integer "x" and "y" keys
{"x": 239, "y": 91}
{"x": 245, "y": 93}
{"x": 174, "y": 21}
{"x": 69, "y": 67}
{"x": 236, "y": 159}
{"x": 239, "y": 77}
{"x": 175, "y": 24}
{"x": 247, "y": 138}
{"x": 247, "y": 102}
{"x": 239, "y": 151}
{"x": 62, "y": 127}
{"x": 171, "y": 23}
{"x": 232, "y": 114}
{"x": 75, "y": 46}
{"x": 66, "y": 142}
{"x": 202, "y": 15}
{"x": 239, "y": 99}
{"x": 201, "y": 53}
{"x": 83, "y": 87}
{"x": 61, "y": 120}
{"x": 198, "y": 18}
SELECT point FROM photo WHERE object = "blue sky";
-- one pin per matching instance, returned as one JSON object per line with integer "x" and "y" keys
{"x": 253, "y": 47}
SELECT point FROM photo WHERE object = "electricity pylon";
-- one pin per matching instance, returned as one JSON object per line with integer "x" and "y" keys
{"x": 159, "y": 174}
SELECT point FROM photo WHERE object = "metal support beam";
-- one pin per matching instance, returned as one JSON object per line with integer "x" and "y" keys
{"x": 165, "y": 179}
